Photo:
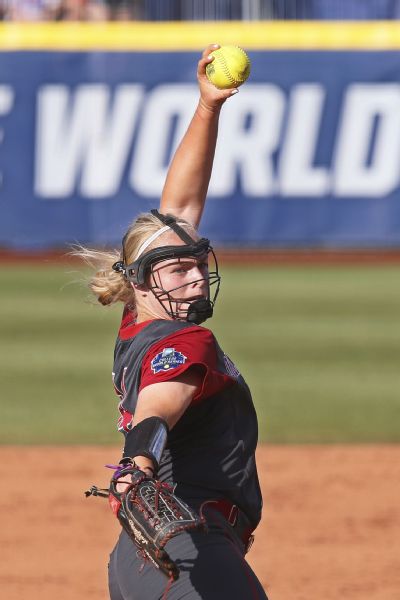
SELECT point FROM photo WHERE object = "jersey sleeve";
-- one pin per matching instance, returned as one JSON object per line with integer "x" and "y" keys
{"x": 178, "y": 352}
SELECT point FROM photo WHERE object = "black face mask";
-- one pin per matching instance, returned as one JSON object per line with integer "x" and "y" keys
{"x": 141, "y": 272}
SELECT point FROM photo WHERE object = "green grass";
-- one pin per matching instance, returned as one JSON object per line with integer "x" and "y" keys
{"x": 321, "y": 350}
{"x": 319, "y": 347}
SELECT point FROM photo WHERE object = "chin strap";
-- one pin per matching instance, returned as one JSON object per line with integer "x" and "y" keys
{"x": 199, "y": 311}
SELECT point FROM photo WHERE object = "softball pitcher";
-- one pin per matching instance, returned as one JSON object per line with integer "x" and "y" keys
{"x": 186, "y": 491}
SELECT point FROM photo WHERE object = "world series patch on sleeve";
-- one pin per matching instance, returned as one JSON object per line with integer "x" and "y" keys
{"x": 168, "y": 359}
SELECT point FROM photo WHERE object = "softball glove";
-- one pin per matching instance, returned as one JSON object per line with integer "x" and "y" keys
{"x": 151, "y": 514}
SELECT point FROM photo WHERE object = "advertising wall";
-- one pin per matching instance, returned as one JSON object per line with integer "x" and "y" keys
{"x": 308, "y": 151}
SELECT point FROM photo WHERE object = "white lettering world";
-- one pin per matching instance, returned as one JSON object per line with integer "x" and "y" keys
{"x": 91, "y": 141}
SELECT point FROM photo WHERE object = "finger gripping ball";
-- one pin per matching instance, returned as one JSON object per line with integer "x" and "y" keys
{"x": 230, "y": 67}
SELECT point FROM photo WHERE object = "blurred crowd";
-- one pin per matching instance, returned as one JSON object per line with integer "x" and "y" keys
{"x": 197, "y": 10}
{"x": 66, "y": 10}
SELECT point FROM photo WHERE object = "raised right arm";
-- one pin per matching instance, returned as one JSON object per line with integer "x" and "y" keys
{"x": 186, "y": 185}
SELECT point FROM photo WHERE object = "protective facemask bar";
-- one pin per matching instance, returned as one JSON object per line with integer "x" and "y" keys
{"x": 141, "y": 269}
{"x": 193, "y": 311}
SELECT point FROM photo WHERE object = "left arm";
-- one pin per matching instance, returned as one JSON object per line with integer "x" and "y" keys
{"x": 147, "y": 508}
{"x": 167, "y": 400}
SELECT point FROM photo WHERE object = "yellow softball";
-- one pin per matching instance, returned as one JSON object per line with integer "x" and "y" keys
{"x": 230, "y": 67}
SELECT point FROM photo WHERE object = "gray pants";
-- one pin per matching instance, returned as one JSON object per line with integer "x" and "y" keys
{"x": 212, "y": 567}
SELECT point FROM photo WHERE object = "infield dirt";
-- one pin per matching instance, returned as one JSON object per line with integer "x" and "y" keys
{"x": 330, "y": 529}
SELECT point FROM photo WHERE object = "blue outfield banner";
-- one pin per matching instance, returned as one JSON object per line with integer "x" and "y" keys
{"x": 308, "y": 151}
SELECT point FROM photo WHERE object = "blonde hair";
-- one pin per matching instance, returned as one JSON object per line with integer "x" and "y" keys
{"x": 108, "y": 285}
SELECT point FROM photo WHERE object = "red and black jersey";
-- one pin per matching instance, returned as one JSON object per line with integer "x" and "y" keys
{"x": 210, "y": 451}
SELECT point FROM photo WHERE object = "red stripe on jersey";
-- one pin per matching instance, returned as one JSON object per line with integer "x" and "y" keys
{"x": 129, "y": 328}
{"x": 128, "y": 317}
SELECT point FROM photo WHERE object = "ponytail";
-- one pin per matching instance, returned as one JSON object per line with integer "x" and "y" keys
{"x": 106, "y": 284}
{"x": 110, "y": 286}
